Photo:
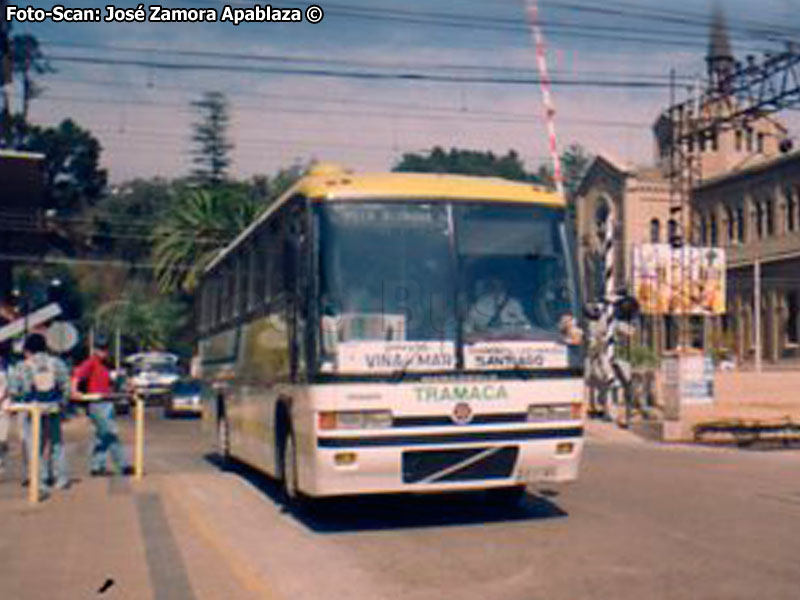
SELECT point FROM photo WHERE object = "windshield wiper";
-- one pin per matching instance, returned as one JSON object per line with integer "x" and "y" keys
{"x": 399, "y": 374}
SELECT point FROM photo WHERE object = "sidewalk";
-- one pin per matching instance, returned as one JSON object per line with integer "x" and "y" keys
{"x": 109, "y": 537}
{"x": 606, "y": 432}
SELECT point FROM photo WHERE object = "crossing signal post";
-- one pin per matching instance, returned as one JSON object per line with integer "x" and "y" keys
{"x": 609, "y": 372}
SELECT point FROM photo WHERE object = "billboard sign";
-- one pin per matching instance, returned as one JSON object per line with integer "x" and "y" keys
{"x": 679, "y": 281}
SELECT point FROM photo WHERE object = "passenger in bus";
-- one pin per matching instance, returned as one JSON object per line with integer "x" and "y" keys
{"x": 494, "y": 310}
{"x": 330, "y": 311}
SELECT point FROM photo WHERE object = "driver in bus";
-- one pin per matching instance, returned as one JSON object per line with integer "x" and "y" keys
{"x": 494, "y": 309}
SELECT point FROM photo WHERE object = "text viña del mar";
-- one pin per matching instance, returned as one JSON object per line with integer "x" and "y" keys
{"x": 142, "y": 13}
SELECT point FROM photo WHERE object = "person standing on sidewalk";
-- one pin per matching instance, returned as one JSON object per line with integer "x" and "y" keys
{"x": 95, "y": 374}
{"x": 5, "y": 399}
{"x": 44, "y": 378}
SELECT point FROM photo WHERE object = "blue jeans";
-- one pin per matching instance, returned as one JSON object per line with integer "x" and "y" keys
{"x": 53, "y": 464}
{"x": 106, "y": 438}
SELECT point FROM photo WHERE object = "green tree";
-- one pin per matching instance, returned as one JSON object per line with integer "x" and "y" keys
{"x": 6, "y": 68}
{"x": 41, "y": 284}
{"x": 147, "y": 322}
{"x": 20, "y": 54}
{"x": 73, "y": 177}
{"x": 29, "y": 60}
{"x": 200, "y": 222}
{"x": 575, "y": 161}
{"x": 466, "y": 162}
{"x": 124, "y": 219}
{"x": 212, "y": 152}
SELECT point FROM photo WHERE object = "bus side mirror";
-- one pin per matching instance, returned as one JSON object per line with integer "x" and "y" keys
{"x": 571, "y": 332}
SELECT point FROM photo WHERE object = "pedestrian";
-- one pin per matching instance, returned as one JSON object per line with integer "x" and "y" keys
{"x": 94, "y": 375}
{"x": 5, "y": 400}
{"x": 44, "y": 378}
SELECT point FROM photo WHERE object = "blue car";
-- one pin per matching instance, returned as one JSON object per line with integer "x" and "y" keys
{"x": 184, "y": 398}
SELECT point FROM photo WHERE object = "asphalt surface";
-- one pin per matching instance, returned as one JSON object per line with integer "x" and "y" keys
{"x": 644, "y": 521}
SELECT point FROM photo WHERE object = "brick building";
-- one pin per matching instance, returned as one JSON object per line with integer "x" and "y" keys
{"x": 746, "y": 199}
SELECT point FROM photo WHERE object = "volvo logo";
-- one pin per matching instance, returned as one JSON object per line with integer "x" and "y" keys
{"x": 462, "y": 413}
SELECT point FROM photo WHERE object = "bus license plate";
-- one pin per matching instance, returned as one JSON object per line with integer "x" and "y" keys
{"x": 535, "y": 474}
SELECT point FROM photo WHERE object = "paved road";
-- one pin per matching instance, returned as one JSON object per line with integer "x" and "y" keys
{"x": 645, "y": 521}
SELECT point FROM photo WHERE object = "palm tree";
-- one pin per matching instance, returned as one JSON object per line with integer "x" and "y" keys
{"x": 200, "y": 224}
{"x": 202, "y": 221}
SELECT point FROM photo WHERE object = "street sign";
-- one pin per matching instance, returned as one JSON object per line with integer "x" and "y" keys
{"x": 28, "y": 322}
{"x": 62, "y": 337}
{"x": 679, "y": 281}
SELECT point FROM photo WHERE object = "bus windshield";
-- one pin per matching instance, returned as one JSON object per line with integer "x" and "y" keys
{"x": 441, "y": 286}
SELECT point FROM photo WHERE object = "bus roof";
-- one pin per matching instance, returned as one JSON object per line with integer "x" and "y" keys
{"x": 330, "y": 183}
{"x": 326, "y": 182}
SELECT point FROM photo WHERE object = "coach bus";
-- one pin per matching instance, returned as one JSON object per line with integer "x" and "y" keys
{"x": 397, "y": 332}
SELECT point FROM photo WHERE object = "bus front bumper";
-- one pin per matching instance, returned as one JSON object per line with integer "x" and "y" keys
{"x": 428, "y": 463}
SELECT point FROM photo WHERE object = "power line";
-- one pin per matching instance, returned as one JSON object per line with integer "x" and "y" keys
{"x": 316, "y": 60}
{"x": 326, "y": 99}
{"x": 338, "y": 10}
{"x": 449, "y": 114}
{"x": 362, "y": 75}
{"x": 51, "y": 260}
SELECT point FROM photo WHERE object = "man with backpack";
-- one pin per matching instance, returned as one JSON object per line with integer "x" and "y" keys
{"x": 94, "y": 376}
{"x": 44, "y": 378}
{"x": 5, "y": 416}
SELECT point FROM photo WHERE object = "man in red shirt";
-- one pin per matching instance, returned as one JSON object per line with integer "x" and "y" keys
{"x": 97, "y": 377}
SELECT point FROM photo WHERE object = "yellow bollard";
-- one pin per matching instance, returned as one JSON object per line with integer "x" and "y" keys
{"x": 138, "y": 469}
{"x": 35, "y": 411}
{"x": 35, "y": 451}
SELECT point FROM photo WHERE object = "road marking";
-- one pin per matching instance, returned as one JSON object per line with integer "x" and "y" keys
{"x": 247, "y": 577}
{"x": 164, "y": 563}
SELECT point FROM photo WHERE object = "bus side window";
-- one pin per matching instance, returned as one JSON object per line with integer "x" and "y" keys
{"x": 273, "y": 245}
{"x": 252, "y": 275}
{"x": 297, "y": 273}
{"x": 277, "y": 332}
{"x": 219, "y": 283}
{"x": 228, "y": 301}
{"x": 263, "y": 257}
{"x": 238, "y": 277}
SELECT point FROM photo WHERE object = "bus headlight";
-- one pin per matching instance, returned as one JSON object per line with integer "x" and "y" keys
{"x": 355, "y": 419}
{"x": 538, "y": 413}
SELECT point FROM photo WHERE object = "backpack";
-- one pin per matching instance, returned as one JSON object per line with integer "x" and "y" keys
{"x": 44, "y": 380}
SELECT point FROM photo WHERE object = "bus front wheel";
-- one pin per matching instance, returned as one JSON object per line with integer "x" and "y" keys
{"x": 289, "y": 485}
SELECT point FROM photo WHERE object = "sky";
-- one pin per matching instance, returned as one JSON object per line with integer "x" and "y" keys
{"x": 378, "y": 78}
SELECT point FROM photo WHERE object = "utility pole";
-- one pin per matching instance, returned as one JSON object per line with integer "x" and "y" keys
{"x": 738, "y": 93}
{"x": 117, "y": 349}
{"x": 757, "y": 310}
{"x": 747, "y": 91}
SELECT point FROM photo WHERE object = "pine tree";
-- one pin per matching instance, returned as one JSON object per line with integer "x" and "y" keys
{"x": 212, "y": 152}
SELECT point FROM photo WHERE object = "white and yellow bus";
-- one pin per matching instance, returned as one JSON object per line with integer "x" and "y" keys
{"x": 397, "y": 332}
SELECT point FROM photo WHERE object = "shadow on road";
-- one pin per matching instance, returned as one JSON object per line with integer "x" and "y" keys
{"x": 756, "y": 445}
{"x": 399, "y": 511}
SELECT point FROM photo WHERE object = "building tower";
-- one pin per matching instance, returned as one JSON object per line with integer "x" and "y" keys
{"x": 720, "y": 62}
